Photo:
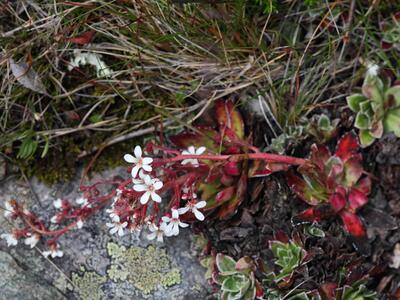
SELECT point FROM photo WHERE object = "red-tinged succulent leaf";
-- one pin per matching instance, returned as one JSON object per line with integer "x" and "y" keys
{"x": 83, "y": 38}
{"x": 245, "y": 263}
{"x": 364, "y": 185}
{"x": 230, "y": 207}
{"x": 227, "y": 180}
{"x": 297, "y": 185}
{"x": 314, "y": 214}
{"x": 356, "y": 199}
{"x": 206, "y": 138}
{"x": 281, "y": 237}
{"x": 232, "y": 168}
{"x": 225, "y": 194}
{"x": 347, "y": 146}
{"x": 352, "y": 224}
{"x": 327, "y": 291}
{"x": 259, "y": 169}
{"x": 228, "y": 116}
{"x": 260, "y": 291}
{"x": 338, "y": 199}
{"x": 319, "y": 155}
{"x": 353, "y": 170}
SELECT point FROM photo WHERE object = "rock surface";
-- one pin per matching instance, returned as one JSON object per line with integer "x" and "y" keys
{"x": 95, "y": 264}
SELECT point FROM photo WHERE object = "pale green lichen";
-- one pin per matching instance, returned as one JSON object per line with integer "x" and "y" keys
{"x": 62, "y": 283}
{"x": 145, "y": 268}
{"x": 88, "y": 285}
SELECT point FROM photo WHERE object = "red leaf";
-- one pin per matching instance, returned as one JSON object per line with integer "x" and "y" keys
{"x": 228, "y": 116}
{"x": 83, "y": 38}
{"x": 353, "y": 170}
{"x": 319, "y": 155}
{"x": 281, "y": 236}
{"x": 347, "y": 146}
{"x": 328, "y": 290}
{"x": 232, "y": 168}
{"x": 230, "y": 208}
{"x": 364, "y": 185}
{"x": 357, "y": 199}
{"x": 297, "y": 185}
{"x": 225, "y": 194}
{"x": 352, "y": 224}
{"x": 205, "y": 137}
{"x": 338, "y": 199}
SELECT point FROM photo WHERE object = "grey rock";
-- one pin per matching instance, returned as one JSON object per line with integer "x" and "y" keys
{"x": 85, "y": 253}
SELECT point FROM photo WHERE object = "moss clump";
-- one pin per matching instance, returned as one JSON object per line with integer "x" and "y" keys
{"x": 88, "y": 285}
{"x": 144, "y": 268}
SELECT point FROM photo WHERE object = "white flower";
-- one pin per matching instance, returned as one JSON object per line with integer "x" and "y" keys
{"x": 94, "y": 59}
{"x": 32, "y": 240}
{"x": 116, "y": 226}
{"x": 172, "y": 228}
{"x": 55, "y": 219}
{"x": 9, "y": 209}
{"x": 192, "y": 151}
{"x": 79, "y": 224}
{"x": 149, "y": 187}
{"x": 140, "y": 179}
{"x": 58, "y": 203}
{"x": 157, "y": 232}
{"x": 194, "y": 208}
{"x": 139, "y": 161}
{"x": 113, "y": 215}
{"x": 82, "y": 201}
{"x": 10, "y": 239}
{"x": 53, "y": 252}
{"x": 372, "y": 69}
{"x": 185, "y": 194}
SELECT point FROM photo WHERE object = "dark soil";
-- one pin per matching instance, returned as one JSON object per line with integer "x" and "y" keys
{"x": 270, "y": 207}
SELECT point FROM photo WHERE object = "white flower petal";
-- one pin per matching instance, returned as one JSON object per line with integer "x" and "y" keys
{"x": 175, "y": 214}
{"x": 129, "y": 158}
{"x": 135, "y": 171}
{"x": 114, "y": 230}
{"x": 183, "y": 210}
{"x": 158, "y": 185}
{"x": 147, "y": 160}
{"x": 138, "y": 151}
{"x": 152, "y": 236}
{"x": 201, "y": 204}
{"x": 175, "y": 229}
{"x": 145, "y": 197}
{"x": 183, "y": 225}
{"x": 147, "y": 168}
{"x": 192, "y": 150}
{"x": 165, "y": 220}
{"x": 155, "y": 197}
{"x": 200, "y": 150}
{"x": 140, "y": 187}
{"x": 199, "y": 216}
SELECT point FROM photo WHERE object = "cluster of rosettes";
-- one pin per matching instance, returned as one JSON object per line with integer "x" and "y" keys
{"x": 129, "y": 209}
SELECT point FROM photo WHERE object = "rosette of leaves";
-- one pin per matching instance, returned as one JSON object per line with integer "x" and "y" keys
{"x": 292, "y": 137}
{"x": 237, "y": 279}
{"x": 333, "y": 184}
{"x": 377, "y": 108}
{"x": 356, "y": 291}
{"x": 322, "y": 128}
{"x": 225, "y": 185}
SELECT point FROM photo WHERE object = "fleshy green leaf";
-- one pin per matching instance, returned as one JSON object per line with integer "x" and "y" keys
{"x": 234, "y": 283}
{"x": 362, "y": 121}
{"x": 354, "y": 101}
{"x": 225, "y": 264}
{"x": 324, "y": 122}
{"x": 391, "y": 122}
{"x": 366, "y": 138}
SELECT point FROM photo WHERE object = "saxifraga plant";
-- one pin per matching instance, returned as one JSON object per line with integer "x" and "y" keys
{"x": 377, "y": 108}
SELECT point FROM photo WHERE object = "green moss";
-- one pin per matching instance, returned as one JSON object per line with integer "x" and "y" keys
{"x": 145, "y": 268}
{"x": 88, "y": 285}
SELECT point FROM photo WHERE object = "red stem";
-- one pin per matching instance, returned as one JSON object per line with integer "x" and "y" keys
{"x": 273, "y": 158}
